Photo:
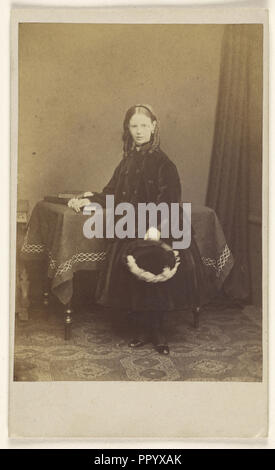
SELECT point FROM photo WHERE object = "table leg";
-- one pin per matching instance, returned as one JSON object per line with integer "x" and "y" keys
{"x": 196, "y": 316}
{"x": 23, "y": 300}
{"x": 46, "y": 291}
{"x": 68, "y": 321}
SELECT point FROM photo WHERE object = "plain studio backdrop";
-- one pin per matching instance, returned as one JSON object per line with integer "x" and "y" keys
{"x": 78, "y": 80}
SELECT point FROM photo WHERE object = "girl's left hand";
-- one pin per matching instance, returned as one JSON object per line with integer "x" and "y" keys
{"x": 152, "y": 234}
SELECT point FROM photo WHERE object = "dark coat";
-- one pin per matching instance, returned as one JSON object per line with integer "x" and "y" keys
{"x": 146, "y": 176}
{"x": 143, "y": 177}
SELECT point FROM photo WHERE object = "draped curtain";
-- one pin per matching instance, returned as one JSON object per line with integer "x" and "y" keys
{"x": 228, "y": 184}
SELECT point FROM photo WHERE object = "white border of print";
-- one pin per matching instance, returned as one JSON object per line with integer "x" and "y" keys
{"x": 36, "y": 389}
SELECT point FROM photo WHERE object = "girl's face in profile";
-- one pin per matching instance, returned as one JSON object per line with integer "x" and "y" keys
{"x": 141, "y": 128}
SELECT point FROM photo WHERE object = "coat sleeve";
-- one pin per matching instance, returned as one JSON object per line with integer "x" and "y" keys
{"x": 169, "y": 185}
{"x": 111, "y": 185}
{"x": 108, "y": 189}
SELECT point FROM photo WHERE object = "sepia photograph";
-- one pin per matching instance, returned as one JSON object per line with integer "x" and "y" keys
{"x": 148, "y": 114}
{"x": 138, "y": 208}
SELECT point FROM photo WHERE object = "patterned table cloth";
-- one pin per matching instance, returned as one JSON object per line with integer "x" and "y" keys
{"x": 55, "y": 232}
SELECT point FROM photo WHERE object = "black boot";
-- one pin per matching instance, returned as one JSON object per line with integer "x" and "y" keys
{"x": 157, "y": 332}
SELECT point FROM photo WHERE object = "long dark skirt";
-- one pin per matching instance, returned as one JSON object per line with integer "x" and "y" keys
{"x": 119, "y": 288}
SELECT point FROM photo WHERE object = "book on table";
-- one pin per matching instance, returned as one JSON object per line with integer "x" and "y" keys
{"x": 63, "y": 197}
{"x": 70, "y": 194}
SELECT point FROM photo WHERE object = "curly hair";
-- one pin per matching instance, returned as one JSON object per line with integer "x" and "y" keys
{"x": 128, "y": 143}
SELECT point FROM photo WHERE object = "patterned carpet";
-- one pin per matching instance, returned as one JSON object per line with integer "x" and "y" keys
{"x": 226, "y": 347}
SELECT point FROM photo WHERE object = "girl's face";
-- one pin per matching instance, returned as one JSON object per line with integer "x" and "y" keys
{"x": 141, "y": 128}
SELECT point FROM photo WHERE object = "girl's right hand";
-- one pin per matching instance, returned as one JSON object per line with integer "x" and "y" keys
{"x": 77, "y": 204}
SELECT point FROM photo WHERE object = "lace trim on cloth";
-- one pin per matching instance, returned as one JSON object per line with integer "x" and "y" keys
{"x": 219, "y": 263}
{"x": 31, "y": 248}
{"x": 68, "y": 264}
{"x": 77, "y": 258}
{"x": 216, "y": 264}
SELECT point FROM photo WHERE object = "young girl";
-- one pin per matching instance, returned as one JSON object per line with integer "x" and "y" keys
{"x": 145, "y": 174}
